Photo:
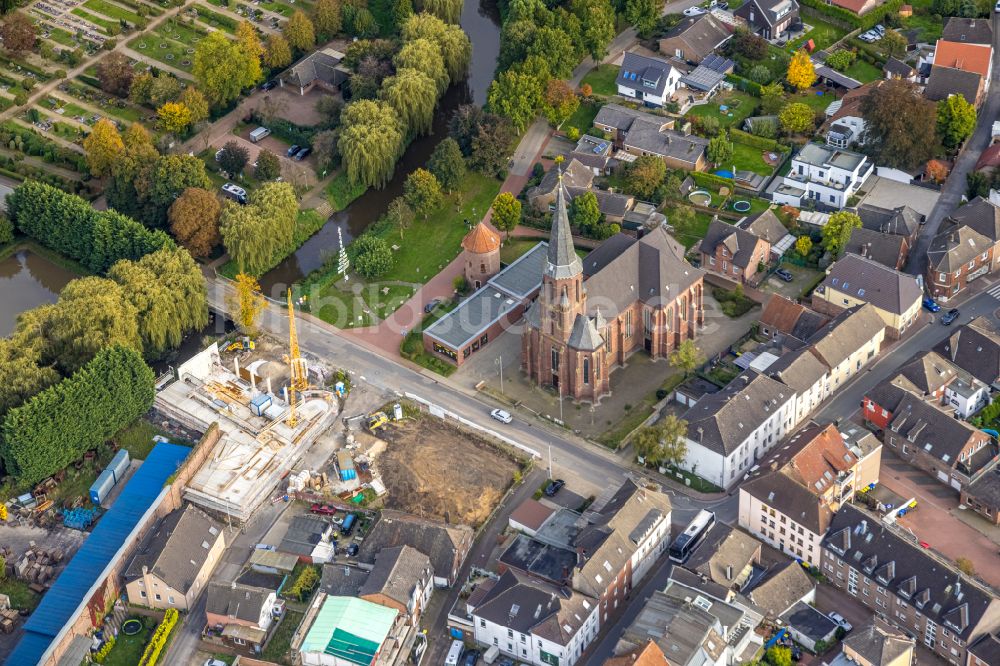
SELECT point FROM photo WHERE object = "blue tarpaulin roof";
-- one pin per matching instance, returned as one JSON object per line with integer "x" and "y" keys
{"x": 60, "y": 603}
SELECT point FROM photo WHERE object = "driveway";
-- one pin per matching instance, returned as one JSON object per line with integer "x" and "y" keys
{"x": 803, "y": 278}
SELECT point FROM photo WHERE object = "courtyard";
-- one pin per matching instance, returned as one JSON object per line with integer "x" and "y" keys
{"x": 803, "y": 280}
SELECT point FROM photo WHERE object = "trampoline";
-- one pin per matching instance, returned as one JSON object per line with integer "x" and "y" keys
{"x": 741, "y": 206}
{"x": 725, "y": 173}
{"x": 700, "y": 197}
{"x": 131, "y": 626}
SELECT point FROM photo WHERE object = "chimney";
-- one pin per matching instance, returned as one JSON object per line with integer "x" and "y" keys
{"x": 701, "y": 432}
{"x": 864, "y": 527}
{"x": 729, "y": 572}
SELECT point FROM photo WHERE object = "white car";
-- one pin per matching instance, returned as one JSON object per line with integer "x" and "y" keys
{"x": 841, "y": 622}
{"x": 694, "y": 11}
{"x": 997, "y": 8}
{"x": 215, "y": 662}
{"x": 501, "y": 416}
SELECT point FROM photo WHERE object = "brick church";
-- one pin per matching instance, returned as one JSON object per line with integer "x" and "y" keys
{"x": 592, "y": 314}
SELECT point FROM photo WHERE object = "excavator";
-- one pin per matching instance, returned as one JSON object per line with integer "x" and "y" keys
{"x": 244, "y": 344}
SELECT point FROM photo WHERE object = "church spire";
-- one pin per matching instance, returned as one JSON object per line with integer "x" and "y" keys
{"x": 563, "y": 262}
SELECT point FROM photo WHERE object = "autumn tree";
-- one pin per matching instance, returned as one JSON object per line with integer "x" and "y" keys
{"x": 956, "y": 120}
{"x": 422, "y": 192}
{"x": 277, "y": 53}
{"x": 644, "y": 175}
{"x": 222, "y": 69}
{"x": 196, "y": 104}
{"x": 194, "y": 221}
{"x": 837, "y": 231}
{"x": 371, "y": 142}
{"x": 447, "y": 164}
{"x": 801, "y": 74}
{"x": 559, "y": 102}
{"x": 506, "y": 213}
{"x": 233, "y": 158}
{"x": 413, "y": 95}
{"x": 18, "y": 33}
{"x": 102, "y": 146}
{"x": 327, "y": 18}
{"x": 454, "y": 44}
{"x": 252, "y": 50}
{"x": 299, "y": 32}
{"x": 268, "y": 165}
{"x": 115, "y": 74}
{"x": 772, "y": 98}
{"x": 900, "y": 125}
{"x": 892, "y": 43}
{"x": 662, "y": 443}
{"x": 248, "y": 303}
{"x": 687, "y": 357}
{"x": 937, "y": 171}
{"x": 803, "y": 245}
{"x": 174, "y": 117}
{"x": 484, "y": 138}
{"x": 796, "y": 118}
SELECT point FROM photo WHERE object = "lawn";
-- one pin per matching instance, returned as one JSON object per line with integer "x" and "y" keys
{"x": 278, "y": 647}
{"x": 137, "y": 438}
{"x": 340, "y": 192}
{"x": 514, "y": 248}
{"x": 105, "y": 25}
{"x": 739, "y": 107}
{"x": 823, "y": 34}
{"x": 747, "y": 158}
{"x": 161, "y": 46}
{"x": 20, "y": 595}
{"x": 413, "y": 344}
{"x": 602, "y": 80}
{"x": 112, "y": 10}
{"x": 689, "y": 234}
{"x": 813, "y": 100}
{"x": 278, "y": 8}
{"x": 62, "y": 37}
{"x": 216, "y": 20}
{"x": 583, "y": 118}
{"x": 864, "y": 71}
{"x": 127, "y": 650}
{"x": 929, "y": 27}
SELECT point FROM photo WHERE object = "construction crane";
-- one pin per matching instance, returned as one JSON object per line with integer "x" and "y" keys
{"x": 299, "y": 380}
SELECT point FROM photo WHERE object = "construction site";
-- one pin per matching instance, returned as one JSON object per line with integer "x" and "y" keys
{"x": 268, "y": 414}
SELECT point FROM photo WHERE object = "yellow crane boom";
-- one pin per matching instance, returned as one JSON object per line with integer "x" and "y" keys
{"x": 299, "y": 379}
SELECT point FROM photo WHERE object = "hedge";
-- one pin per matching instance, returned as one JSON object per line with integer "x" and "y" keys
{"x": 287, "y": 131}
{"x": 864, "y": 22}
{"x": 159, "y": 639}
{"x": 745, "y": 85}
{"x": 703, "y": 179}
{"x": 754, "y": 141}
{"x": 69, "y": 225}
{"x": 60, "y": 424}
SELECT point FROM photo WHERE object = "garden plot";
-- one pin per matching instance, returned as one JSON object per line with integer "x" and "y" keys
{"x": 96, "y": 100}
{"x": 172, "y": 45}
{"x": 213, "y": 19}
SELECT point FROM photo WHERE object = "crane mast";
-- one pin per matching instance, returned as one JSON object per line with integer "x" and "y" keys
{"x": 299, "y": 380}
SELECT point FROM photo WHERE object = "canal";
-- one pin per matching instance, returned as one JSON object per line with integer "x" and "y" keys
{"x": 28, "y": 280}
{"x": 481, "y": 22}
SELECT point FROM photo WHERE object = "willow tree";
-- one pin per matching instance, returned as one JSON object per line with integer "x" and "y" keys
{"x": 446, "y": 10}
{"x": 456, "y": 49}
{"x": 424, "y": 55}
{"x": 371, "y": 141}
{"x": 246, "y": 237}
{"x": 248, "y": 303}
{"x": 412, "y": 94}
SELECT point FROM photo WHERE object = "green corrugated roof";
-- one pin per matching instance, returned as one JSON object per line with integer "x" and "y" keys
{"x": 350, "y": 628}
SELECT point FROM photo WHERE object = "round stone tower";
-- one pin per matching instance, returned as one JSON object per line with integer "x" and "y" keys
{"x": 481, "y": 249}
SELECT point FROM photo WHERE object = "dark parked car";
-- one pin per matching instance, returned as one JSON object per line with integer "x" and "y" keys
{"x": 352, "y": 550}
{"x": 303, "y": 153}
{"x": 554, "y": 487}
{"x": 291, "y": 151}
{"x": 471, "y": 657}
{"x": 270, "y": 85}
{"x": 431, "y": 304}
{"x": 784, "y": 275}
{"x": 930, "y": 305}
{"x": 949, "y": 316}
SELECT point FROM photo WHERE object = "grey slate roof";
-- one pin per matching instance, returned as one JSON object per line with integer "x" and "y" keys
{"x": 176, "y": 550}
{"x": 584, "y": 334}
{"x": 981, "y": 215}
{"x": 772, "y": 11}
{"x": 799, "y": 370}
{"x": 986, "y": 648}
{"x": 721, "y": 422}
{"x": 901, "y": 221}
{"x": 886, "y": 249}
{"x": 562, "y": 260}
{"x": 947, "y": 81}
{"x": 339, "y": 580}
{"x": 398, "y": 571}
{"x": 742, "y": 244}
{"x": 955, "y": 247}
{"x": 323, "y": 65}
{"x": 543, "y": 560}
{"x": 808, "y": 621}
{"x": 439, "y": 541}
{"x": 879, "y": 645}
{"x": 647, "y": 132}
{"x": 303, "y": 535}
{"x": 788, "y": 496}
{"x": 680, "y": 629}
{"x": 767, "y": 226}
{"x": 724, "y": 554}
{"x": 896, "y": 67}
{"x": 781, "y": 589}
{"x": 931, "y": 430}
{"x": 986, "y": 489}
{"x": 623, "y": 270}
{"x": 701, "y": 35}
{"x": 968, "y": 30}
{"x": 938, "y": 590}
{"x": 640, "y": 72}
{"x": 614, "y": 204}
{"x": 929, "y": 371}
{"x": 244, "y": 602}
{"x": 621, "y": 117}
{"x": 870, "y": 281}
{"x": 848, "y": 332}
{"x": 574, "y": 174}
{"x": 974, "y": 347}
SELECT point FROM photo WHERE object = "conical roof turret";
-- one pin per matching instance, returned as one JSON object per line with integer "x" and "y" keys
{"x": 562, "y": 261}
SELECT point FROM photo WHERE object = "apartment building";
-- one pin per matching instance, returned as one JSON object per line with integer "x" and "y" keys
{"x": 824, "y": 177}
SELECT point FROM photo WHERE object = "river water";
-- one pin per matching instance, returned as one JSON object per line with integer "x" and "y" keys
{"x": 481, "y": 22}
{"x": 28, "y": 280}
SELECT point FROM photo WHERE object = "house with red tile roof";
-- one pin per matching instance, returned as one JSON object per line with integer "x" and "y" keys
{"x": 859, "y": 7}
{"x": 966, "y": 57}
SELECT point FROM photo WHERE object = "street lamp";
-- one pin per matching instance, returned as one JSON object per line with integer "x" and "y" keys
{"x": 498, "y": 361}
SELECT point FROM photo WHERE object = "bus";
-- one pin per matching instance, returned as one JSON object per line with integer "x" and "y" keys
{"x": 688, "y": 540}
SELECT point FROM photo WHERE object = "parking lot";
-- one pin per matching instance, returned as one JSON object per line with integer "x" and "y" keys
{"x": 802, "y": 279}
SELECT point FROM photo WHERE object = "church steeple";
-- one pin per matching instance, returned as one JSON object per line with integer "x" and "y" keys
{"x": 563, "y": 262}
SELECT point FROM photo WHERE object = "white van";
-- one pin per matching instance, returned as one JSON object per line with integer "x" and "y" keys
{"x": 491, "y": 654}
{"x": 454, "y": 653}
{"x": 259, "y": 134}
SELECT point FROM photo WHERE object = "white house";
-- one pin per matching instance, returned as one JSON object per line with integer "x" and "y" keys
{"x": 967, "y": 395}
{"x": 535, "y": 623}
{"x": 824, "y": 175}
{"x": 728, "y": 432}
{"x": 649, "y": 80}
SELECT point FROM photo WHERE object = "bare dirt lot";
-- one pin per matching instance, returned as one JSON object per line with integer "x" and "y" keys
{"x": 436, "y": 470}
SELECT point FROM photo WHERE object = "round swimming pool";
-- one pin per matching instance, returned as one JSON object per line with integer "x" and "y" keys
{"x": 700, "y": 197}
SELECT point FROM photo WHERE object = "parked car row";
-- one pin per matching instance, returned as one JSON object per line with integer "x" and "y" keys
{"x": 873, "y": 35}
{"x": 298, "y": 153}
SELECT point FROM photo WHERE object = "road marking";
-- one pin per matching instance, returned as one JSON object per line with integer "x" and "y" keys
{"x": 994, "y": 291}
